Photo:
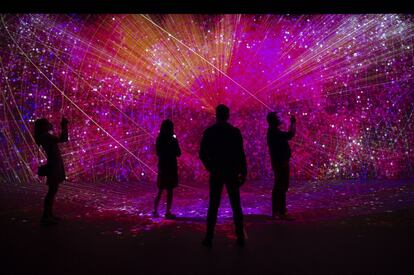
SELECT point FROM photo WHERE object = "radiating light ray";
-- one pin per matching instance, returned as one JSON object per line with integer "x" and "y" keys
{"x": 208, "y": 62}
{"x": 90, "y": 85}
{"x": 75, "y": 105}
{"x": 347, "y": 78}
{"x": 306, "y": 59}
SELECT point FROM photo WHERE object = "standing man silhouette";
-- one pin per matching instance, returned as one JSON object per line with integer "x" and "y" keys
{"x": 280, "y": 154}
{"x": 222, "y": 153}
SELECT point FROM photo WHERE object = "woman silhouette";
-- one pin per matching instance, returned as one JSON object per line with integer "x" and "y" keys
{"x": 167, "y": 151}
{"x": 55, "y": 169}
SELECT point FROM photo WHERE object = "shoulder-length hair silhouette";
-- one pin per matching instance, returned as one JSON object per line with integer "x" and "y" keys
{"x": 167, "y": 149}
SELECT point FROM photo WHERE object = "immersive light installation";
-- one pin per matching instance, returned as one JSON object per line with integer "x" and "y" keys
{"x": 347, "y": 78}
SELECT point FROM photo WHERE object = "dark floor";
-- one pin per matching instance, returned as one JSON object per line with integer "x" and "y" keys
{"x": 111, "y": 240}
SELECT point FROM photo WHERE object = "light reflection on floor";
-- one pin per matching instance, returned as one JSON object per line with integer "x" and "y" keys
{"x": 127, "y": 207}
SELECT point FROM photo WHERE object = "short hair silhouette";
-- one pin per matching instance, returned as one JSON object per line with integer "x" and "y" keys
{"x": 167, "y": 128}
{"x": 273, "y": 119}
{"x": 222, "y": 112}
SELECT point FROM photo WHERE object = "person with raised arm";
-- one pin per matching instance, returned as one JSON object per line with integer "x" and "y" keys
{"x": 54, "y": 169}
{"x": 280, "y": 154}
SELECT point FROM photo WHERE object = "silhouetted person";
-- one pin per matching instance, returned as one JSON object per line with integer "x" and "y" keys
{"x": 280, "y": 154}
{"x": 167, "y": 151}
{"x": 55, "y": 168}
{"x": 222, "y": 153}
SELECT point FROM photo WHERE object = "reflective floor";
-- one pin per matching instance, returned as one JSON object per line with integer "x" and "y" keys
{"x": 130, "y": 205}
{"x": 343, "y": 226}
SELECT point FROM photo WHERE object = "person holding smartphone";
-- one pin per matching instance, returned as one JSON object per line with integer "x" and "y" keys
{"x": 280, "y": 154}
{"x": 55, "y": 170}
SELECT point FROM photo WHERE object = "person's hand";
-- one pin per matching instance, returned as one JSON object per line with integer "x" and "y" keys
{"x": 292, "y": 119}
{"x": 64, "y": 121}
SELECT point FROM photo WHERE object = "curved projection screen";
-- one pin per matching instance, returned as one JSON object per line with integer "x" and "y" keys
{"x": 348, "y": 79}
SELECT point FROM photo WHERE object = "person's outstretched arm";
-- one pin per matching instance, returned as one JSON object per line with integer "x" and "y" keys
{"x": 64, "y": 130}
{"x": 292, "y": 127}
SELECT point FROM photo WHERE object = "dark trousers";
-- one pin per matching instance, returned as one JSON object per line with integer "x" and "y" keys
{"x": 170, "y": 192}
{"x": 216, "y": 188}
{"x": 281, "y": 185}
